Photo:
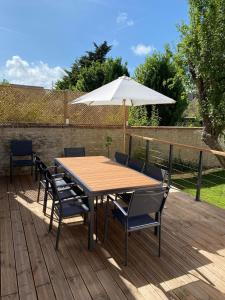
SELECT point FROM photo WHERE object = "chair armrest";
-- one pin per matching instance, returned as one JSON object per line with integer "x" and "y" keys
{"x": 58, "y": 175}
{"x": 79, "y": 202}
{"x": 118, "y": 206}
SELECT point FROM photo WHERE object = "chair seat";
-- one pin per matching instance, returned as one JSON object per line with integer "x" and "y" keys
{"x": 22, "y": 162}
{"x": 135, "y": 223}
{"x": 71, "y": 208}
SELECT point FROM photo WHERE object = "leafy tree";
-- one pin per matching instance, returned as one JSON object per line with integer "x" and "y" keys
{"x": 202, "y": 51}
{"x": 160, "y": 72}
{"x": 93, "y": 70}
{"x": 98, "y": 74}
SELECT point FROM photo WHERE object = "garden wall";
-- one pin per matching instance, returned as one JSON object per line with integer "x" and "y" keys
{"x": 49, "y": 141}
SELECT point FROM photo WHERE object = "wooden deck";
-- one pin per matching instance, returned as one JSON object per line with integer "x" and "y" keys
{"x": 192, "y": 265}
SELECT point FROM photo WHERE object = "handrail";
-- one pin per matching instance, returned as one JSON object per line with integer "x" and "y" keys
{"x": 215, "y": 152}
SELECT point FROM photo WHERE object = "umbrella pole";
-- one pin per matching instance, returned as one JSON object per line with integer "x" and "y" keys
{"x": 124, "y": 126}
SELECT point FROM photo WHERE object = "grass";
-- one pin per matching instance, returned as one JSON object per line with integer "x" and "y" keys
{"x": 212, "y": 190}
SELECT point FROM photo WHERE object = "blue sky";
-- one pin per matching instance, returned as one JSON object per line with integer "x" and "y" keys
{"x": 40, "y": 38}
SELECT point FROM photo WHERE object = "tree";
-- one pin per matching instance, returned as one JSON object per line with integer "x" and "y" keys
{"x": 98, "y": 74}
{"x": 160, "y": 72}
{"x": 93, "y": 70}
{"x": 201, "y": 51}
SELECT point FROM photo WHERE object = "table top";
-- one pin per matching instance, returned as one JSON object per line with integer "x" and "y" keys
{"x": 99, "y": 174}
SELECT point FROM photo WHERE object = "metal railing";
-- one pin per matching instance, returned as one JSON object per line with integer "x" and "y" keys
{"x": 181, "y": 174}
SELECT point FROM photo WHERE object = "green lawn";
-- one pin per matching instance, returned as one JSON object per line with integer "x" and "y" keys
{"x": 213, "y": 187}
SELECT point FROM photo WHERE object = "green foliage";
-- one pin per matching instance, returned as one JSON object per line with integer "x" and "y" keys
{"x": 155, "y": 118}
{"x": 108, "y": 143}
{"x": 93, "y": 70}
{"x": 161, "y": 73}
{"x": 201, "y": 52}
{"x": 98, "y": 74}
{"x": 138, "y": 116}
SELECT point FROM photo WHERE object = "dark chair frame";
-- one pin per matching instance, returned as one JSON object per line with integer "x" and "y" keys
{"x": 121, "y": 158}
{"x": 42, "y": 169}
{"x": 58, "y": 203}
{"x": 74, "y": 152}
{"x": 21, "y": 148}
{"x": 143, "y": 202}
{"x": 156, "y": 172}
{"x": 136, "y": 164}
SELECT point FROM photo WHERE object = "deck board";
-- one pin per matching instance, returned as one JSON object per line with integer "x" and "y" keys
{"x": 192, "y": 265}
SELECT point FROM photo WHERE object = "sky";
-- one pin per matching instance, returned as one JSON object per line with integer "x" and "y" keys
{"x": 40, "y": 38}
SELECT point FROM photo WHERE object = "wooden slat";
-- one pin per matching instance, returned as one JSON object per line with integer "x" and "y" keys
{"x": 8, "y": 265}
{"x": 98, "y": 173}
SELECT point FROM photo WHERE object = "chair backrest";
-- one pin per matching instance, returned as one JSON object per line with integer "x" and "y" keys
{"x": 146, "y": 201}
{"x": 121, "y": 158}
{"x": 40, "y": 165}
{"x": 74, "y": 152}
{"x": 51, "y": 184}
{"x": 136, "y": 164}
{"x": 21, "y": 147}
{"x": 155, "y": 172}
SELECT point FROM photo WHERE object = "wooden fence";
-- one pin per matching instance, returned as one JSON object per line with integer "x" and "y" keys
{"x": 38, "y": 105}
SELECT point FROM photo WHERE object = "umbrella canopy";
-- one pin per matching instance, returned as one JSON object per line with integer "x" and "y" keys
{"x": 123, "y": 89}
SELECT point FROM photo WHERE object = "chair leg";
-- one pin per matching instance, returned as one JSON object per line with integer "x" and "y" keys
{"x": 39, "y": 189}
{"x": 96, "y": 219}
{"x": 106, "y": 224}
{"x": 51, "y": 218}
{"x": 58, "y": 234}
{"x": 156, "y": 228}
{"x": 126, "y": 247}
{"x": 159, "y": 233}
{"x": 45, "y": 201}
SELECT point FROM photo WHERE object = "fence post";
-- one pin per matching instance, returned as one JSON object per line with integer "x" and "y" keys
{"x": 130, "y": 146}
{"x": 170, "y": 167}
{"x": 65, "y": 107}
{"x": 199, "y": 180}
{"x": 147, "y": 152}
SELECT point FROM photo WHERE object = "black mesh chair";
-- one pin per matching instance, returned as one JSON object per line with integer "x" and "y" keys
{"x": 121, "y": 158}
{"x": 61, "y": 181}
{"x": 21, "y": 155}
{"x": 74, "y": 152}
{"x": 65, "y": 205}
{"x": 137, "y": 215}
{"x": 155, "y": 172}
{"x": 136, "y": 164}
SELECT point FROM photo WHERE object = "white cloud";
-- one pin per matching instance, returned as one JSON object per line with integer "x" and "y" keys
{"x": 141, "y": 49}
{"x": 20, "y": 71}
{"x": 123, "y": 20}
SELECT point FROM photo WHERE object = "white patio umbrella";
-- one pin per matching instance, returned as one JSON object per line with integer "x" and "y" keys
{"x": 123, "y": 91}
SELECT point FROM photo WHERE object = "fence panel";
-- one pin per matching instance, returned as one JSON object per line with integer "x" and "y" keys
{"x": 38, "y": 105}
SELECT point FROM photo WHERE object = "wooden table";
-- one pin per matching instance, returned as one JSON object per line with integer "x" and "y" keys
{"x": 98, "y": 176}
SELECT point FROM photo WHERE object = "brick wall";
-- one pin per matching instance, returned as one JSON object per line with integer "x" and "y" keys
{"x": 49, "y": 141}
